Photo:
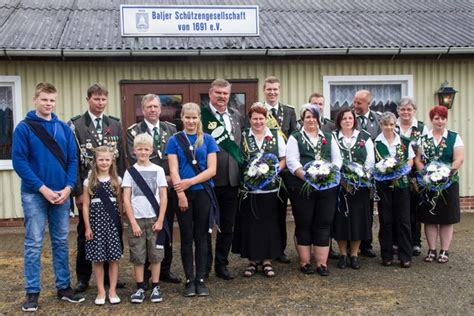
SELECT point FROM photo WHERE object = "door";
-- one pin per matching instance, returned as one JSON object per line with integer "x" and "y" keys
{"x": 173, "y": 94}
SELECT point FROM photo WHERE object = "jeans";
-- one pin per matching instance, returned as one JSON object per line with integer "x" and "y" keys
{"x": 36, "y": 211}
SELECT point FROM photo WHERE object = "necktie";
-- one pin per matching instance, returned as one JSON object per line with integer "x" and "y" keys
{"x": 274, "y": 112}
{"x": 156, "y": 137}
{"x": 363, "y": 122}
{"x": 97, "y": 125}
{"x": 221, "y": 119}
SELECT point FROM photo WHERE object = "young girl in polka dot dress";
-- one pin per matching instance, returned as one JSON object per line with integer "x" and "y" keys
{"x": 102, "y": 222}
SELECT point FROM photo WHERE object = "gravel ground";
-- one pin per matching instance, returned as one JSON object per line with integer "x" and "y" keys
{"x": 425, "y": 288}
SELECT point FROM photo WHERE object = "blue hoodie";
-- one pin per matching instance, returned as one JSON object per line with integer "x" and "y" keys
{"x": 35, "y": 163}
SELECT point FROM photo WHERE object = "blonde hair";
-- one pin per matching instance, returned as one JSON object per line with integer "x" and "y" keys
{"x": 143, "y": 139}
{"x": 190, "y": 106}
{"x": 93, "y": 178}
{"x": 149, "y": 97}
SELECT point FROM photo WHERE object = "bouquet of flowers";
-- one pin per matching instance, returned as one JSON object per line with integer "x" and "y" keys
{"x": 261, "y": 171}
{"x": 390, "y": 169}
{"x": 356, "y": 175}
{"x": 435, "y": 177}
{"x": 321, "y": 175}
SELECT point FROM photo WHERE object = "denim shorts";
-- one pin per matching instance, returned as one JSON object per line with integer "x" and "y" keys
{"x": 145, "y": 245}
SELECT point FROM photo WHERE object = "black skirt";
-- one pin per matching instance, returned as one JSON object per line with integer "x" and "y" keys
{"x": 352, "y": 218}
{"x": 447, "y": 209}
{"x": 257, "y": 233}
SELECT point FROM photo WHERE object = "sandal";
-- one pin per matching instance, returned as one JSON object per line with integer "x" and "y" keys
{"x": 431, "y": 255}
{"x": 443, "y": 256}
{"x": 250, "y": 270}
{"x": 268, "y": 270}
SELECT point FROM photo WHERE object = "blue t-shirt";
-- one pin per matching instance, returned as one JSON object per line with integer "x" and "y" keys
{"x": 186, "y": 170}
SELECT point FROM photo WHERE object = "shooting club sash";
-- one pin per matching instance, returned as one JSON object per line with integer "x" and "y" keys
{"x": 214, "y": 127}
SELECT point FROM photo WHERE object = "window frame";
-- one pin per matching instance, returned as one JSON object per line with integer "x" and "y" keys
{"x": 406, "y": 82}
{"x": 15, "y": 83}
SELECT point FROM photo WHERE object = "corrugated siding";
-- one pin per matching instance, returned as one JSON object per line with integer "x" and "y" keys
{"x": 299, "y": 79}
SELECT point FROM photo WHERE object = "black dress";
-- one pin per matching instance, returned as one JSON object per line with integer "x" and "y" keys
{"x": 352, "y": 218}
{"x": 106, "y": 244}
{"x": 447, "y": 210}
{"x": 258, "y": 231}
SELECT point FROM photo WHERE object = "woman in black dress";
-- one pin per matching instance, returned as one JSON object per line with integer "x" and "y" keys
{"x": 258, "y": 236}
{"x": 445, "y": 146}
{"x": 352, "y": 218}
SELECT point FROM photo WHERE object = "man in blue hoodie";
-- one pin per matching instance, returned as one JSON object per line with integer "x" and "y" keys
{"x": 44, "y": 156}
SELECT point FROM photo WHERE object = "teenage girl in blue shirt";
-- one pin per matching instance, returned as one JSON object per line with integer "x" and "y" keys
{"x": 186, "y": 149}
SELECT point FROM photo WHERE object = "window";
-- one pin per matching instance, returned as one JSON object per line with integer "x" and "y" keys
{"x": 10, "y": 115}
{"x": 386, "y": 91}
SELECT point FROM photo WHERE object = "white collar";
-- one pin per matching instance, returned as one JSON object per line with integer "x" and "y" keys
{"x": 215, "y": 111}
{"x": 366, "y": 115}
{"x": 267, "y": 132}
{"x": 151, "y": 126}
{"x": 355, "y": 133}
{"x": 414, "y": 123}
{"x": 320, "y": 132}
{"x": 93, "y": 117}
{"x": 382, "y": 138}
{"x": 430, "y": 133}
{"x": 269, "y": 107}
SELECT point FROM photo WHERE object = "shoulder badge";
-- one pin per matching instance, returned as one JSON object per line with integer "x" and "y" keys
{"x": 290, "y": 106}
{"x": 132, "y": 126}
{"x": 75, "y": 117}
{"x": 114, "y": 118}
{"x": 169, "y": 123}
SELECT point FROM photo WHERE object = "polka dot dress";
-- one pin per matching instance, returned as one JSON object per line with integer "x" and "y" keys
{"x": 105, "y": 245}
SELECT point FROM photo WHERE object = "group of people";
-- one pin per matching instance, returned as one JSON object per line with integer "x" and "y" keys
{"x": 205, "y": 175}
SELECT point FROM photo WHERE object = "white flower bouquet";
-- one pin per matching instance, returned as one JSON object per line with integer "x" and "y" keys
{"x": 321, "y": 175}
{"x": 356, "y": 174}
{"x": 261, "y": 171}
{"x": 390, "y": 169}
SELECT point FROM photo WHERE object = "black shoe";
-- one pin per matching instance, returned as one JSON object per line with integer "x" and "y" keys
{"x": 189, "y": 289}
{"x": 283, "y": 259}
{"x": 416, "y": 251}
{"x": 322, "y": 270}
{"x": 69, "y": 295}
{"x": 31, "y": 302}
{"x": 405, "y": 264}
{"x": 201, "y": 288}
{"x": 169, "y": 277}
{"x": 333, "y": 254}
{"x": 355, "y": 262}
{"x": 369, "y": 253}
{"x": 342, "y": 264}
{"x": 387, "y": 262}
{"x": 81, "y": 286}
{"x": 223, "y": 273}
{"x": 307, "y": 269}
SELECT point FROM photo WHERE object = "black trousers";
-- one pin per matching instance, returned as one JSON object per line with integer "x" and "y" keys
{"x": 367, "y": 244}
{"x": 170, "y": 212}
{"x": 415, "y": 222}
{"x": 193, "y": 227}
{"x": 228, "y": 200}
{"x": 314, "y": 215}
{"x": 83, "y": 266}
{"x": 394, "y": 214}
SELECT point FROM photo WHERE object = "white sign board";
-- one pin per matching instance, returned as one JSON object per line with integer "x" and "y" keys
{"x": 148, "y": 21}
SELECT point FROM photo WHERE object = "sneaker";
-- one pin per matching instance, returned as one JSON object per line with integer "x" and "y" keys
{"x": 69, "y": 295}
{"x": 155, "y": 296}
{"x": 189, "y": 289}
{"x": 201, "y": 288}
{"x": 31, "y": 302}
{"x": 138, "y": 296}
